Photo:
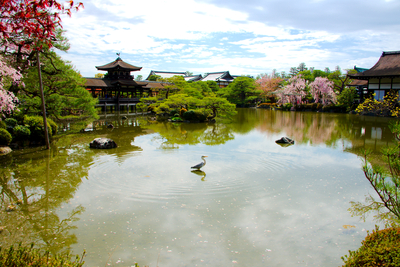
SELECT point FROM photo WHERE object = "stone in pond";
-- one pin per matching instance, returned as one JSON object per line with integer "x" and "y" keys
{"x": 285, "y": 140}
{"x": 103, "y": 143}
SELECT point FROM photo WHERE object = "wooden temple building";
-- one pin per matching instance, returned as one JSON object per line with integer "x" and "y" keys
{"x": 118, "y": 89}
{"x": 382, "y": 77}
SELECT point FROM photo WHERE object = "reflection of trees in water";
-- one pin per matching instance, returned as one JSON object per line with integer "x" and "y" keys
{"x": 171, "y": 135}
{"x": 323, "y": 128}
{"x": 34, "y": 184}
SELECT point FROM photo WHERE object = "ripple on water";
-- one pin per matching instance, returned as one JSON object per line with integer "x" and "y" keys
{"x": 223, "y": 175}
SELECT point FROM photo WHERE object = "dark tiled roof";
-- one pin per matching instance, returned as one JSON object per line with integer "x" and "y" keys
{"x": 97, "y": 82}
{"x": 358, "y": 83}
{"x": 118, "y": 63}
{"x": 388, "y": 65}
{"x": 218, "y": 76}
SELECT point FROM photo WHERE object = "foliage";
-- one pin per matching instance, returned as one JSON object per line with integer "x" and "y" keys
{"x": 25, "y": 24}
{"x": 385, "y": 180}
{"x": 379, "y": 248}
{"x": 347, "y": 97}
{"x": 184, "y": 96}
{"x": 294, "y": 91}
{"x": 11, "y": 122}
{"x": 154, "y": 78}
{"x": 241, "y": 91}
{"x": 28, "y": 256}
{"x": 8, "y": 76}
{"x": 63, "y": 86}
{"x": 33, "y": 19}
{"x": 340, "y": 80}
{"x": 267, "y": 105}
{"x": 21, "y": 132}
{"x": 5, "y": 137}
{"x": 322, "y": 91}
{"x": 387, "y": 107}
{"x": 35, "y": 124}
{"x": 268, "y": 84}
{"x": 3, "y": 125}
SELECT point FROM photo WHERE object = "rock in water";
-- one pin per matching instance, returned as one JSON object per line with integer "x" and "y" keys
{"x": 103, "y": 143}
{"x": 4, "y": 150}
{"x": 285, "y": 140}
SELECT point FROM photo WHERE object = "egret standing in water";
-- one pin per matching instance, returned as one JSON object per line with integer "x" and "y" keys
{"x": 200, "y": 165}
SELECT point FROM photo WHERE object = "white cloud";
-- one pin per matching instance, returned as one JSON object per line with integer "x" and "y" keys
{"x": 245, "y": 38}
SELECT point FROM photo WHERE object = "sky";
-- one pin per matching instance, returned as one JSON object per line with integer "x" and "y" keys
{"x": 243, "y": 37}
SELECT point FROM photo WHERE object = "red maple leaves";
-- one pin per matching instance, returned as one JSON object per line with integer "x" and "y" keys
{"x": 29, "y": 22}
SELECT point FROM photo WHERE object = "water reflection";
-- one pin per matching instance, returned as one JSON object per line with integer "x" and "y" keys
{"x": 262, "y": 205}
{"x": 36, "y": 183}
{"x": 200, "y": 173}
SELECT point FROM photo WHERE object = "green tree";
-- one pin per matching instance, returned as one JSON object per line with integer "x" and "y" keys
{"x": 139, "y": 78}
{"x": 64, "y": 89}
{"x": 340, "y": 80}
{"x": 347, "y": 97}
{"x": 154, "y": 78}
{"x": 242, "y": 91}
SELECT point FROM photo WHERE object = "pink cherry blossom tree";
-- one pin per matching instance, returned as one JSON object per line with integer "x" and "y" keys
{"x": 8, "y": 75}
{"x": 322, "y": 91}
{"x": 294, "y": 91}
{"x": 268, "y": 84}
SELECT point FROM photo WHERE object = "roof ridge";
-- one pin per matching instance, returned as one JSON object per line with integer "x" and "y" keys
{"x": 390, "y": 53}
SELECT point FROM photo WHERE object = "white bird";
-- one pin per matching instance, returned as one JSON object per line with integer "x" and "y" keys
{"x": 200, "y": 165}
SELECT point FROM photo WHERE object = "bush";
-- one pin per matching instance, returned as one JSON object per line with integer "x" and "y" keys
{"x": 381, "y": 248}
{"x": 53, "y": 125}
{"x": 36, "y": 125}
{"x": 5, "y": 137}
{"x": 3, "y": 125}
{"x": 201, "y": 115}
{"x": 267, "y": 105}
{"x": 189, "y": 116}
{"x": 28, "y": 256}
{"x": 21, "y": 132}
{"x": 10, "y": 122}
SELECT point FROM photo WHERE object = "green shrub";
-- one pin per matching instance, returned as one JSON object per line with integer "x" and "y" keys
{"x": 267, "y": 105}
{"x": 3, "y": 125}
{"x": 22, "y": 256}
{"x": 5, "y": 137}
{"x": 53, "y": 125}
{"x": 201, "y": 115}
{"x": 189, "y": 116}
{"x": 36, "y": 126}
{"x": 381, "y": 248}
{"x": 21, "y": 132}
{"x": 10, "y": 122}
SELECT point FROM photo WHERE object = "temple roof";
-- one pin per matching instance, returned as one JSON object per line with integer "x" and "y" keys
{"x": 218, "y": 76}
{"x": 118, "y": 64}
{"x": 193, "y": 78}
{"x": 98, "y": 82}
{"x": 165, "y": 74}
{"x": 388, "y": 65}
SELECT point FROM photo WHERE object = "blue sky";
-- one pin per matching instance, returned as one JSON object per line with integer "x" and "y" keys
{"x": 244, "y": 37}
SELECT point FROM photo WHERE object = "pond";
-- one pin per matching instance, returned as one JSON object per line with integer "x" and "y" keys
{"x": 254, "y": 203}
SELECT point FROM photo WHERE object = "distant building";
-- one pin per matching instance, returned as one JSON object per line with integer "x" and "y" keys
{"x": 383, "y": 76}
{"x": 193, "y": 78}
{"x": 223, "y": 79}
{"x": 165, "y": 74}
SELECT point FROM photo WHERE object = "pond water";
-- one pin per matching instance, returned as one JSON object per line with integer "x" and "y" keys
{"x": 255, "y": 203}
